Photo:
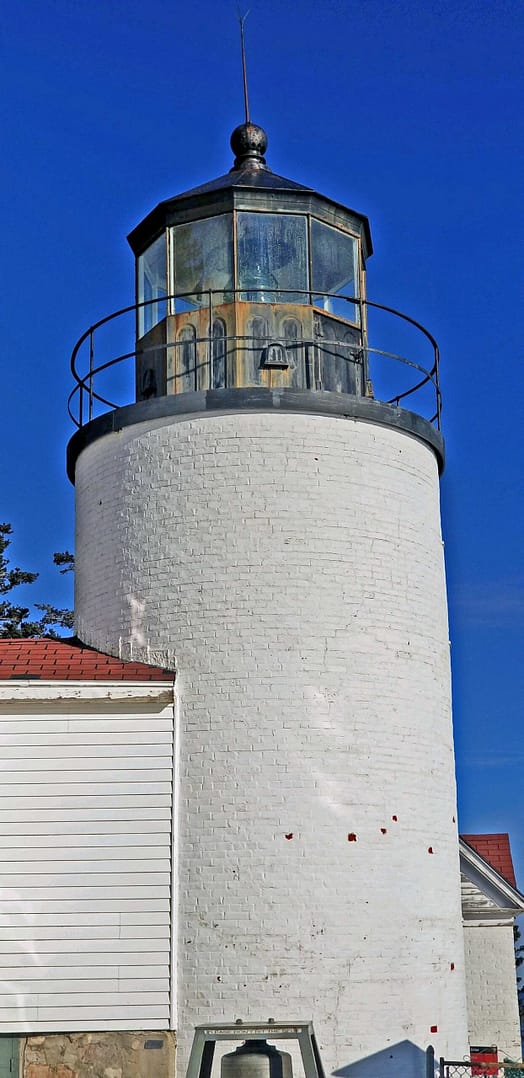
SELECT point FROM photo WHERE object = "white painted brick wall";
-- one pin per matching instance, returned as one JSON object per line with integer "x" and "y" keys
{"x": 493, "y": 1014}
{"x": 292, "y": 567}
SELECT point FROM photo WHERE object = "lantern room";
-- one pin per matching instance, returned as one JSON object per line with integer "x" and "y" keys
{"x": 251, "y": 280}
{"x": 250, "y": 292}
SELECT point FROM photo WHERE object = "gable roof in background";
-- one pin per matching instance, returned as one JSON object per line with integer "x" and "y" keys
{"x": 495, "y": 849}
{"x": 487, "y": 893}
{"x": 69, "y": 660}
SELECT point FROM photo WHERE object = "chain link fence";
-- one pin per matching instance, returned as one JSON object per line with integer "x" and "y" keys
{"x": 477, "y": 1068}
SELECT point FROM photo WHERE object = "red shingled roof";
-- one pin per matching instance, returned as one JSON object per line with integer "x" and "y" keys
{"x": 69, "y": 660}
{"x": 495, "y": 849}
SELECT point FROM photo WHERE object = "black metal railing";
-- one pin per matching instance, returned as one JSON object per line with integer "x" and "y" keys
{"x": 108, "y": 379}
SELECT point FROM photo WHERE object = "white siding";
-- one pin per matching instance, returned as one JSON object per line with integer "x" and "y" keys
{"x": 85, "y": 852}
{"x": 474, "y": 901}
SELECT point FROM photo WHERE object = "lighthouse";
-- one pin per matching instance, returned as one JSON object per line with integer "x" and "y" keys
{"x": 263, "y": 519}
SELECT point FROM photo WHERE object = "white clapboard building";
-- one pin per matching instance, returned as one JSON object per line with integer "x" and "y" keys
{"x": 86, "y": 809}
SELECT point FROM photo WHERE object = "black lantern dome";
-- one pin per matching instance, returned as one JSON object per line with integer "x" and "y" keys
{"x": 249, "y": 144}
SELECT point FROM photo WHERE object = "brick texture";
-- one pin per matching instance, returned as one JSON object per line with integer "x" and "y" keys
{"x": 491, "y": 986}
{"x": 291, "y": 568}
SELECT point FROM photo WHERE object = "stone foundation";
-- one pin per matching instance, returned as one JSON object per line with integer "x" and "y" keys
{"x": 98, "y": 1055}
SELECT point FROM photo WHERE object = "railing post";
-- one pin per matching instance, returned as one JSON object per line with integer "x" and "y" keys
{"x": 210, "y": 339}
{"x": 437, "y": 382}
{"x": 363, "y": 321}
{"x": 430, "y": 1061}
{"x": 91, "y": 358}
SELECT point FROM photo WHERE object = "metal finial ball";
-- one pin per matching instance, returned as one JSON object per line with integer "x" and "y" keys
{"x": 249, "y": 140}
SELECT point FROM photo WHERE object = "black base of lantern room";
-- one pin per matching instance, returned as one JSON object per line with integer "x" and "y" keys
{"x": 255, "y": 399}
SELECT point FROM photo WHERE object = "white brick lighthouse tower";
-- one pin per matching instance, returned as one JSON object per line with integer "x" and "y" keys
{"x": 264, "y": 520}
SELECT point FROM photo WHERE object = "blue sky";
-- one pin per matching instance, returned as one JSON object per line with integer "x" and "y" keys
{"x": 409, "y": 112}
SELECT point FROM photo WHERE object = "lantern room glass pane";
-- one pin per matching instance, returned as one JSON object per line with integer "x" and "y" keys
{"x": 272, "y": 255}
{"x": 203, "y": 261}
{"x": 152, "y": 285}
{"x": 335, "y": 270}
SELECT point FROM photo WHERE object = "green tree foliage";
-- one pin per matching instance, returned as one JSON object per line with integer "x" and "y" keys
{"x": 66, "y": 560}
{"x": 14, "y": 617}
